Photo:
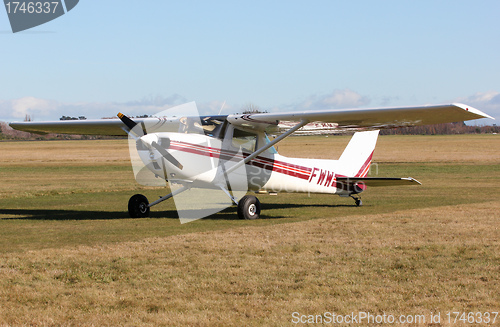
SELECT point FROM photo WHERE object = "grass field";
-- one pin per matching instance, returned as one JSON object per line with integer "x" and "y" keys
{"x": 69, "y": 254}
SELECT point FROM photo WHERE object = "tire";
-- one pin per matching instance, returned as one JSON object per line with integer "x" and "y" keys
{"x": 138, "y": 206}
{"x": 249, "y": 207}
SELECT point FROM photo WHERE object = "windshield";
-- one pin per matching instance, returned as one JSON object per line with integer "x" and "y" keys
{"x": 271, "y": 149}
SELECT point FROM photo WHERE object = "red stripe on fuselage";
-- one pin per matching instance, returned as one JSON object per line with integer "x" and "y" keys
{"x": 260, "y": 162}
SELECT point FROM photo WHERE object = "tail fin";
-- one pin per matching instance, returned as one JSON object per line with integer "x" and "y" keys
{"x": 356, "y": 159}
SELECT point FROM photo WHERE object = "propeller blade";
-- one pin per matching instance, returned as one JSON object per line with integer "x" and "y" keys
{"x": 167, "y": 155}
{"x": 131, "y": 124}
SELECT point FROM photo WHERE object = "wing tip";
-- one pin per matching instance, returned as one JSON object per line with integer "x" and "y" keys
{"x": 412, "y": 180}
{"x": 472, "y": 110}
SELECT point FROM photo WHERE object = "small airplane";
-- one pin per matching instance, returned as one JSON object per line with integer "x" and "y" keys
{"x": 232, "y": 154}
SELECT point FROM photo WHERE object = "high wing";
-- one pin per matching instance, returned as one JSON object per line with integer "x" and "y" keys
{"x": 113, "y": 127}
{"x": 87, "y": 127}
{"x": 374, "y": 118}
{"x": 345, "y": 119}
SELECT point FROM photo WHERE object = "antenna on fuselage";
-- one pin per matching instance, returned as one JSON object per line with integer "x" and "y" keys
{"x": 222, "y": 107}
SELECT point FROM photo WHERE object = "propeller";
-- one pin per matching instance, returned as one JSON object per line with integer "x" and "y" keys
{"x": 131, "y": 126}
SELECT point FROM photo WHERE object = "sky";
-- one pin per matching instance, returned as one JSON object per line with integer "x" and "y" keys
{"x": 140, "y": 57}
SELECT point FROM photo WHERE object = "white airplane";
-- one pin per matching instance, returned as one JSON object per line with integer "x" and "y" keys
{"x": 232, "y": 153}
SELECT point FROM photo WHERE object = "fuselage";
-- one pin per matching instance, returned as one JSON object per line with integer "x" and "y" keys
{"x": 205, "y": 159}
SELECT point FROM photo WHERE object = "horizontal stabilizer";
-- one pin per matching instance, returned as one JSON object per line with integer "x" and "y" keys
{"x": 378, "y": 181}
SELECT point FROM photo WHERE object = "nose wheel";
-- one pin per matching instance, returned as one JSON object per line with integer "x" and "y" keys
{"x": 138, "y": 206}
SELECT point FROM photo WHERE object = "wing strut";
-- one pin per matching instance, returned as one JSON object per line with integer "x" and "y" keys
{"x": 168, "y": 196}
{"x": 268, "y": 145}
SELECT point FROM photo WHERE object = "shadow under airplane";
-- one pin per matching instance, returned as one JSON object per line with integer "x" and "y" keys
{"x": 229, "y": 213}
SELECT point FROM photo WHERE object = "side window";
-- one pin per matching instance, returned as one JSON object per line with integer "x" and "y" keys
{"x": 247, "y": 141}
{"x": 271, "y": 149}
{"x": 190, "y": 125}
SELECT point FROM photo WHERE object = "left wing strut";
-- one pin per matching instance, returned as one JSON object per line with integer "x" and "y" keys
{"x": 267, "y": 146}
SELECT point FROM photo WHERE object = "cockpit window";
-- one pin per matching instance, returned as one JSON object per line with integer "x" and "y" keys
{"x": 271, "y": 149}
{"x": 245, "y": 140}
{"x": 190, "y": 125}
{"x": 207, "y": 126}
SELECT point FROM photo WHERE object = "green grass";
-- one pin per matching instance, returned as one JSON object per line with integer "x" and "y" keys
{"x": 68, "y": 213}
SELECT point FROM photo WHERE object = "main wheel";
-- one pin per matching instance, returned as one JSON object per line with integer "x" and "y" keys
{"x": 249, "y": 207}
{"x": 138, "y": 206}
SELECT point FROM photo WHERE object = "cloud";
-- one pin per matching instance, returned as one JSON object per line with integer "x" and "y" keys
{"x": 215, "y": 106}
{"x": 19, "y": 108}
{"x": 387, "y": 100}
{"x": 487, "y": 98}
{"x": 46, "y": 109}
{"x": 334, "y": 100}
{"x": 158, "y": 101}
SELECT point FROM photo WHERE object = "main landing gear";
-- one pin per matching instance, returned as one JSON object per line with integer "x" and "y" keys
{"x": 357, "y": 200}
{"x": 139, "y": 206}
{"x": 249, "y": 207}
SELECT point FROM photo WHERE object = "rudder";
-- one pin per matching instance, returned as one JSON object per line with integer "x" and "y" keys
{"x": 357, "y": 156}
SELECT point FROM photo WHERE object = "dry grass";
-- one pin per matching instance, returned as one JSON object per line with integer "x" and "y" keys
{"x": 64, "y": 153}
{"x": 484, "y": 148}
{"x": 407, "y": 262}
{"x": 430, "y": 249}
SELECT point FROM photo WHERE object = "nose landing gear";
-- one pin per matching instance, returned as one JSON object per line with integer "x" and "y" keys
{"x": 138, "y": 206}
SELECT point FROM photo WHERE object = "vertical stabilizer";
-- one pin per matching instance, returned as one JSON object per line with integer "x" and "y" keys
{"x": 356, "y": 159}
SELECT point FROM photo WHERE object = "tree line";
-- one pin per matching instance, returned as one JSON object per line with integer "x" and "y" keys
{"x": 442, "y": 129}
